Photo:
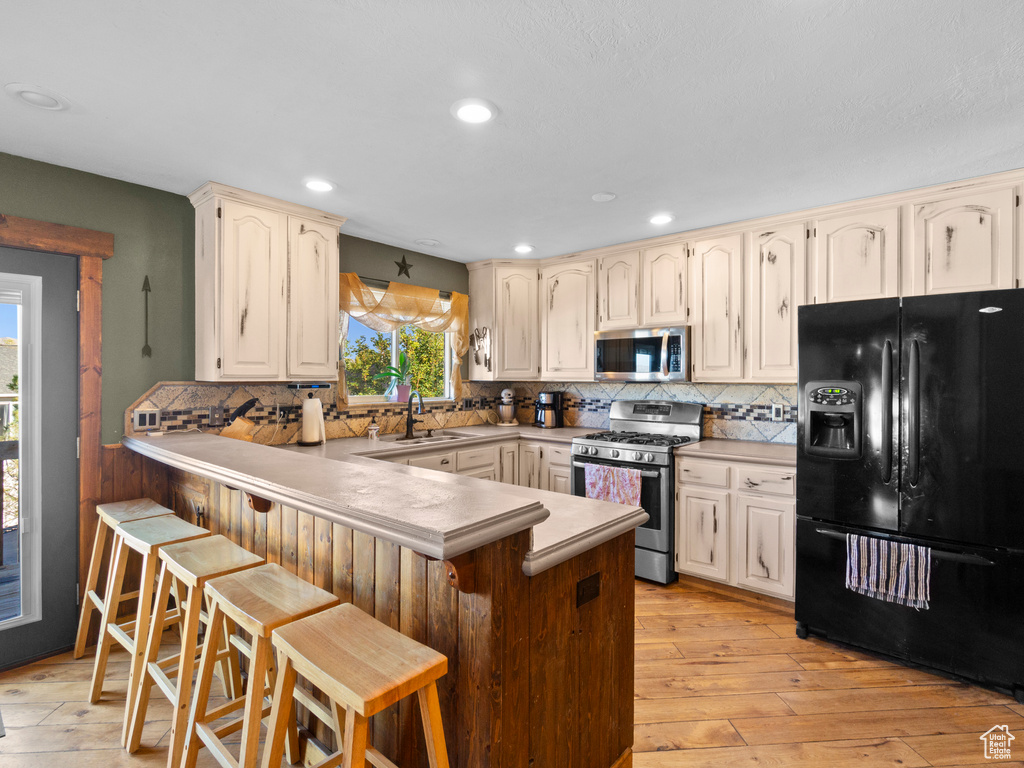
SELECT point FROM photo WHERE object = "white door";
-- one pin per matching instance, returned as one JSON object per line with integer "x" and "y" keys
{"x": 252, "y": 292}
{"x": 518, "y": 342}
{"x": 765, "y": 544}
{"x": 702, "y": 534}
{"x": 663, "y": 276}
{"x": 618, "y": 286}
{"x": 312, "y": 300}
{"x": 777, "y": 288}
{"x": 568, "y": 298}
{"x": 963, "y": 243}
{"x": 718, "y": 302}
{"x": 856, "y": 256}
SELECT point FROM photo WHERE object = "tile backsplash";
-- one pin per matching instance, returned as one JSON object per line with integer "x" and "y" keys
{"x": 735, "y": 411}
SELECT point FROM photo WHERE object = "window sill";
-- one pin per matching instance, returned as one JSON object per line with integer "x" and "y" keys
{"x": 357, "y": 402}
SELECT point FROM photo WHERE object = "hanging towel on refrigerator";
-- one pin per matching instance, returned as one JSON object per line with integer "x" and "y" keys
{"x": 618, "y": 484}
{"x": 893, "y": 571}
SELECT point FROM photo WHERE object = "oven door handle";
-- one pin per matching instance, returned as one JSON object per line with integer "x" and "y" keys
{"x": 643, "y": 472}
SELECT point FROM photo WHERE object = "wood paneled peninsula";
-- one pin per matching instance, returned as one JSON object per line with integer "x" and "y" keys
{"x": 528, "y": 593}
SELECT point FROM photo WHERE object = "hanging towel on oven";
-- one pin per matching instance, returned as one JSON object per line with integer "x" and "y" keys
{"x": 618, "y": 484}
{"x": 893, "y": 571}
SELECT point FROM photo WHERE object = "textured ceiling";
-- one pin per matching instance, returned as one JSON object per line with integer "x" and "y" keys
{"x": 713, "y": 111}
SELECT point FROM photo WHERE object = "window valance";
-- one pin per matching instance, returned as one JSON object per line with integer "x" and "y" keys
{"x": 402, "y": 305}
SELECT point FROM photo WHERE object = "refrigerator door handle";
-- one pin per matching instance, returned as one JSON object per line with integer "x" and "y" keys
{"x": 939, "y": 554}
{"x": 914, "y": 414}
{"x": 887, "y": 412}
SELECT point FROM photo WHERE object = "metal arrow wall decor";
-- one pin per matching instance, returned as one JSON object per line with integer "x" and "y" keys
{"x": 147, "y": 351}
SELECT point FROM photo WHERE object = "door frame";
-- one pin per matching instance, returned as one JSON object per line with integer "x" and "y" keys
{"x": 91, "y": 248}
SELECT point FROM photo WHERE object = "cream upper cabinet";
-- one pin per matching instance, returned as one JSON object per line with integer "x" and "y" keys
{"x": 777, "y": 288}
{"x": 312, "y": 300}
{"x": 663, "y": 278}
{"x": 266, "y": 288}
{"x": 252, "y": 294}
{"x": 963, "y": 243}
{"x": 718, "y": 316}
{"x": 518, "y": 350}
{"x": 504, "y": 319}
{"x": 618, "y": 289}
{"x": 856, "y": 256}
{"x": 568, "y": 297}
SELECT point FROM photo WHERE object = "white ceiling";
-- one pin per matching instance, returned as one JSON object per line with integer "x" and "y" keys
{"x": 713, "y": 111}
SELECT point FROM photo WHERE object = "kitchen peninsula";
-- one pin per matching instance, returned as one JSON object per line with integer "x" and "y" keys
{"x": 528, "y": 593}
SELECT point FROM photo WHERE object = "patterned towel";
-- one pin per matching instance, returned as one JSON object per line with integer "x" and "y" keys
{"x": 889, "y": 570}
{"x": 618, "y": 484}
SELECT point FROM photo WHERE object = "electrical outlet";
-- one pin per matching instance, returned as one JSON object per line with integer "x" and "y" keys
{"x": 216, "y": 415}
{"x": 777, "y": 411}
{"x": 146, "y": 419}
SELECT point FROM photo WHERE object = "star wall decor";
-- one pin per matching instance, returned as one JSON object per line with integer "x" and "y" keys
{"x": 403, "y": 267}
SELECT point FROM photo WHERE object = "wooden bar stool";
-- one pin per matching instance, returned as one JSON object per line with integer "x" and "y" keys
{"x": 145, "y": 537}
{"x": 192, "y": 564}
{"x": 259, "y": 600}
{"x": 364, "y": 667}
{"x": 110, "y": 516}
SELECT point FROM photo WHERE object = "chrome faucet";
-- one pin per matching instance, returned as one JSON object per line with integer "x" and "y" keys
{"x": 409, "y": 420}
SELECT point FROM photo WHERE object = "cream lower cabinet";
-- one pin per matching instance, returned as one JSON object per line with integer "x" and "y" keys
{"x": 545, "y": 466}
{"x": 483, "y": 462}
{"x": 509, "y": 462}
{"x": 736, "y": 523}
{"x": 442, "y": 462}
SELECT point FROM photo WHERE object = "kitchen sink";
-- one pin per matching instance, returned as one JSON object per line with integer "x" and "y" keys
{"x": 439, "y": 437}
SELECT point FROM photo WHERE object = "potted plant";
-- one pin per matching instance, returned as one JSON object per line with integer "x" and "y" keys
{"x": 400, "y": 376}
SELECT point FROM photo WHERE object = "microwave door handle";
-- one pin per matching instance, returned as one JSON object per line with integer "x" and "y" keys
{"x": 664, "y": 354}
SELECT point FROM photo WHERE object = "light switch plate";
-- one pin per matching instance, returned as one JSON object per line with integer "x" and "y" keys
{"x": 777, "y": 411}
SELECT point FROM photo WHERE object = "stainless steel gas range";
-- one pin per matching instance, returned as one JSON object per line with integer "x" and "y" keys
{"x": 642, "y": 436}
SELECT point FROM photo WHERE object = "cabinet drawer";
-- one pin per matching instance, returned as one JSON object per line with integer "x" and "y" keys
{"x": 445, "y": 462}
{"x": 766, "y": 480}
{"x": 473, "y": 458}
{"x": 557, "y": 456}
{"x": 702, "y": 473}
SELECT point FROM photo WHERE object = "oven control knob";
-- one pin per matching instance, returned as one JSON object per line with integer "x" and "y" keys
{"x": 615, "y": 454}
{"x": 649, "y": 457}
{"x": 638, "y": 456}
{"x": 592, "y": 451}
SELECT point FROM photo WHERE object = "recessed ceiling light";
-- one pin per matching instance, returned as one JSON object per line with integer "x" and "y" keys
{"x": 662, "y": 218}
{"x": 524, "y": 248}
{"x": 428, "y": 243}
{"x": 318, "y": 185}
{"x": 473, "y": 110}
{"x": 36, "y": 96}
{"x": 603, "y": 197}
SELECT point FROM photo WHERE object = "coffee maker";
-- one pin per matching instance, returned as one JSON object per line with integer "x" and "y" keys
{"x": 549, "y": 410}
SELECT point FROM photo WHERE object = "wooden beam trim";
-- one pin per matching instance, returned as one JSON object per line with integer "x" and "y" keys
{"x": 33, "y": 235}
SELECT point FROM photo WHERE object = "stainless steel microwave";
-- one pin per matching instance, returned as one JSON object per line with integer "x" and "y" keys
{"x": 643, "y": 354}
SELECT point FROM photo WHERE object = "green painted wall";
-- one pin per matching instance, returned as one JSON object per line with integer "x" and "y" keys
{"x": 377, "y": 260}
{"x": 153, "y": 235}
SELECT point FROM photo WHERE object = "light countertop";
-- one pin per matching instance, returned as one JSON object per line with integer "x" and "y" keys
{"x": 434, "y": 513}
{"x": 741, "y": 450}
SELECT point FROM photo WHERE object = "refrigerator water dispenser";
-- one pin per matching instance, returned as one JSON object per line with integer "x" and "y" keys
{"x": 834, "y": 424}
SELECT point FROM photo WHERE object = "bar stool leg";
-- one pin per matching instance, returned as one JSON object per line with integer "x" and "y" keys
{"x": 262, "y": 653}
{"x": 115, "y": 582}
{"x": 229, "y": 670}
{"x": 138, "y": 701}
{"x": 355, "y": 740}
{"x": 291, "y": 748}
{"x": 433, "y": 728}
{"x": 201, "y": 701}
{"x": 281, "y": 719}
{"x": 142, "y": 623}
{"x": 91, "y": 582}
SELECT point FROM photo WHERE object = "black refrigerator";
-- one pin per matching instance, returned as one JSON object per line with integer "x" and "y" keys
{"x": 911, "y": 428}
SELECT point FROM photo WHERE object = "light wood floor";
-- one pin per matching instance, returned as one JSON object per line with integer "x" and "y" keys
{"x": 719, "y": 682}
